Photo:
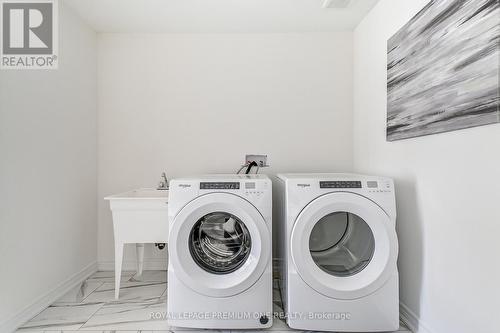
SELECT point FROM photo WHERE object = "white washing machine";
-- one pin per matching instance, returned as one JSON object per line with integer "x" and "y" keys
{"x": 220, "y": 267}
{"x": 339, "y": 251}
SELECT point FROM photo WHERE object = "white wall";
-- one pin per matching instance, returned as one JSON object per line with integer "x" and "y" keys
{"x": 448, "y": 190}
{"x": 196, "y": 103}
{"x": 48, "y": 171}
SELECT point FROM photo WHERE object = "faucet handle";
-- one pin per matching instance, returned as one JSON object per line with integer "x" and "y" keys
{"x": 163, "y": 185}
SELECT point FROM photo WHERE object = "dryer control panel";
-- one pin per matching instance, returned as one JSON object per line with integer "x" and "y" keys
{"x": 340, "y": 184}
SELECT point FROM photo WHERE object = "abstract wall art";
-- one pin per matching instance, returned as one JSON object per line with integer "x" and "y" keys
{"x": 443, "y": 69}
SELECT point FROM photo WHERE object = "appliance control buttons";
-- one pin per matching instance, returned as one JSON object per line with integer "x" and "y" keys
{"x": 254, "y": 192}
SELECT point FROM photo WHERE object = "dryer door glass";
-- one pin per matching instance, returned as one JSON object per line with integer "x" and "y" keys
{"x": 219, "y": 243}
{"x": 341, "y": 244}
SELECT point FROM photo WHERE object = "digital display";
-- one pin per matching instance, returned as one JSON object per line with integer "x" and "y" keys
{"x": 340, "y": 184}
{"x": 219, "y": 186}
{"x": 250, "y": 186}
{"x": 371, "y": 184}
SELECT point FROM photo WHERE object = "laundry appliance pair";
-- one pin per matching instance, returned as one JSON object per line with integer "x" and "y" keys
{"x": 337, "y": 250}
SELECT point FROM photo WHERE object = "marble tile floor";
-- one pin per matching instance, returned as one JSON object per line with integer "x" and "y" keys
{"x": 91, "y": 308}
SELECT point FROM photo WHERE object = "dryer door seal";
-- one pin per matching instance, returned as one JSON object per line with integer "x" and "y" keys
{"x": 219, "y": 245}
{"x": 355, "y": 263}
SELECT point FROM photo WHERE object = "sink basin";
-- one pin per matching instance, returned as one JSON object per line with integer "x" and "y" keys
{"x": 142, "y": 193}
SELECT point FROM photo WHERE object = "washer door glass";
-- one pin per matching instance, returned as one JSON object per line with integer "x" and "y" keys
{"x": 219, "y": 243}
{"x": 341, "y": 244}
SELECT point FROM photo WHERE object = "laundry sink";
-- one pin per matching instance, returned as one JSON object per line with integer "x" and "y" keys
{"x": 141, "y": 193}
{"x": 139, "y": 199}
{"x": 139, "y": 216}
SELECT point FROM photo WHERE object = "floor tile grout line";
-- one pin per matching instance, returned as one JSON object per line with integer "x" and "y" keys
{"x": 93, "y": 291}
{"x": 99, "y": 308}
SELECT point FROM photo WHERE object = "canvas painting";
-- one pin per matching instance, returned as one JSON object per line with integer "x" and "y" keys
{"x": 443, "y": 69}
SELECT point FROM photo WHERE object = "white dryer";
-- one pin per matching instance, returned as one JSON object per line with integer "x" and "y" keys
{"x": 220, "y": 267}
{"x": 339, "y": 250}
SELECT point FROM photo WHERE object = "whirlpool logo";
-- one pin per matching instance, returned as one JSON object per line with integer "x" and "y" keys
{"x": 29, "y": 36}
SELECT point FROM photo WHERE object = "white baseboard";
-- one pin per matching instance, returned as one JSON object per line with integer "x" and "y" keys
{"x": 131, "y": 265}
{"x": 10, "y": 325}
{"x": 412, "y": 320}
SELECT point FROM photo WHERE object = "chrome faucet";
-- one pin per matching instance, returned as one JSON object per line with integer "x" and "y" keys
{"x": 163, "y": 185}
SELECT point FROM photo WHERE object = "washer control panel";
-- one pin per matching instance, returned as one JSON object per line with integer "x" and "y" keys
{"x": 379, "y": 187}
{"x": 254, "y": 189}
{"x": 219, "y": 186}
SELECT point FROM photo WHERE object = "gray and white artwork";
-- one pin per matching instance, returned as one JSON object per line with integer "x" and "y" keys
{"x": 443, "y": 69}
